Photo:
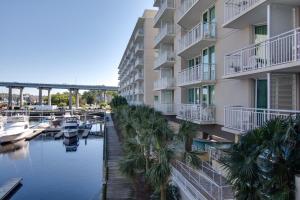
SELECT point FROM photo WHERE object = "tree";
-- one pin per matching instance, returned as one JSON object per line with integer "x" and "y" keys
{"x": 265, "y": 161}
{"x": 89, "y": 97}
{"x": 118, "y": 101}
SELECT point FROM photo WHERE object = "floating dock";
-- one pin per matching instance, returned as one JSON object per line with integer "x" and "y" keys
{"x": 35, "y": 133}
{"x": 8, "y": 187}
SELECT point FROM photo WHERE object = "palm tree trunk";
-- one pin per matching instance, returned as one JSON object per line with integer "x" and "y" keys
{"x": 188, "y": 144}
{"x": 163, "y": 194}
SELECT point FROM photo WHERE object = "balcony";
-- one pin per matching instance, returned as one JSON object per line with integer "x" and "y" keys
{"x": 240, "y": 13}
{"x": 281, "y": 52}
{"x": 203, "y": 73}
{"x": 203, "y": 183}
{"x": 197, "y": 113}
{"x": 190, "y": 12}
{"x": 166, "y": 10}
{"x": 139, "y": 76}
{"x": 139, "y": 91}
{"x": 156, "y": 3}
{"x": 165, "y": 83}
{"x": 240, "y": 120}
{"x": 139, "y": 62}
{"x": 139, "y": 35}
{"x": 139, "y": 49}
{"x": 165, "y": 35}
{"x": 195, "y": 40}
{"x": 165, "y": 108}
{"x": 164, "y": 59}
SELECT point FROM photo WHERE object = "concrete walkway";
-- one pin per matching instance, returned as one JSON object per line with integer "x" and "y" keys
{"x": 118, "y": 186}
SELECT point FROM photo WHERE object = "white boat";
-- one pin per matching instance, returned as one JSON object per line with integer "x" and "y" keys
{"x": 70, "y": 126}
{"x": 15, "y": 128}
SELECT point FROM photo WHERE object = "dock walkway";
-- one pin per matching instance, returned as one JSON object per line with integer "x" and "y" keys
{"x": 8, "y": 187}
{"x": 118, "y": 186}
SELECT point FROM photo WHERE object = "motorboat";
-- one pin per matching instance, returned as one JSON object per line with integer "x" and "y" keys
{"x": 71, "y": 144}
{"x": 15, "y": 128}
{"x": 70, "y": 126}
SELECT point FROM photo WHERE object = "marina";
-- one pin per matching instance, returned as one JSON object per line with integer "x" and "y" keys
{"x": 47, "y": 160}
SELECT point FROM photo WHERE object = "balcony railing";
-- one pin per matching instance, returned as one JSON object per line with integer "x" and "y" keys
{"x": 139, "y": 76}
{"x": 185, "y": 6}
{"x": 197, "y": 113}
{"x": 139, "y": 33}
{"x": 139, "y": 91}
{"x": 234, "y": 8}
{"x": 167, "y": 4}
{"x": 205, "y": 183}
{"x": 167, "y": 29}
{"x": 139, "y": 61}
{"x": 281, "y": 49}
{"x": 245, "y": 119}
{"x": 165, "y": 108}
{"x": 139, "y": 47}
{"x": 164, "y": 57}
{"x": 197, "y": 74}
{"x": 165, "y": 83}
{"x": 200, "y": 32}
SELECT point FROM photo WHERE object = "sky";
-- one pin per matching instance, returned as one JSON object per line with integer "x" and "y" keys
{"x": 65, "y": 41}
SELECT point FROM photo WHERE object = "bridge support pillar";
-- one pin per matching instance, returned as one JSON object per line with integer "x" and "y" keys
{"x": 40, "y": 96}
{"x": 104, "y": 94}
{"x": 10, "y": 98}
{"x": 49, "y": 97}
{"x": 70, "y": 98}
{"x": 21, "y": 97}
{"x": 77, "y": 98}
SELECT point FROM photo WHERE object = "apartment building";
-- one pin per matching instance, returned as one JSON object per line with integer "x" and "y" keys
{"x": 228, "y": 66}
{"x": 136, "y": 74}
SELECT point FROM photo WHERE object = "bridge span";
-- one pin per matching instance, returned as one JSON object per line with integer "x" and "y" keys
{"x": 47, "y": 86}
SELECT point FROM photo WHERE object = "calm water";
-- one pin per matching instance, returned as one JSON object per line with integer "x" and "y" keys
{"x": 50, "y": 172}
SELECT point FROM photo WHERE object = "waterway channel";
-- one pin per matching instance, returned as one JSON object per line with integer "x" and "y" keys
{"x": 50, "y": 170}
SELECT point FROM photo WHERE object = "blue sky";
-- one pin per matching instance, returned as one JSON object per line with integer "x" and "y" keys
{"x": 65, "y": 41}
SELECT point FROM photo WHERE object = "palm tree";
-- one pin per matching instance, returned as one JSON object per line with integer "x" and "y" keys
{"x": 187, "y": 132}
{"x": 263, "y": 164}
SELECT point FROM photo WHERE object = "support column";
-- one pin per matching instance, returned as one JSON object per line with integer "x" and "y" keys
{"x": 10, "y": 98}
{"x": 104, "y": 96}
{"x": 49, "y": 97}
{"x": 40, "y": 96}
{"x": 77, "y": 98}
{"x": 21, "y": 97}
{"x": 70, "y": 99}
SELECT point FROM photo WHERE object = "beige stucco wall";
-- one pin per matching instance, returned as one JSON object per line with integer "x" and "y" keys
{"x": 149, "y": 56}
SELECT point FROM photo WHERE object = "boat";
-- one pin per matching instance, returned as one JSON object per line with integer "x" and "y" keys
{"x": 71, "y": 144}
{"x": 15, "y": 128}
{"x": 70, "y": 126}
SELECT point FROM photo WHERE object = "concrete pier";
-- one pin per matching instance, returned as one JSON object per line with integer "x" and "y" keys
{"x": 70, "y": 98}
{"x": 10, "y": 97}
{"x": 21, "y": 97}
{"x": 49, "y": 97}
{"x": 40, "y": 96}
{"x": 77, "y": 98}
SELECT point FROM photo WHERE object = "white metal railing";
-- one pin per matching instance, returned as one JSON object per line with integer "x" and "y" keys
{"x": 164, "y": 83}
{"x": 138, "y": 90}
{"x": 234, "y": 8}
{"x": 199, "y": 32}
{"x": 281, "y": 49}
{"x": 163, "y": 57}
{"x": 245, "y": 119}
{"x": 197, "y": 113}
{"x": 197, "y": 74}
{"x": 205, "y": 180}
{"x": 185, "y": 6}
{"x": 139, "y": 61}
{"x": 166, "y": 108}
{"x": 167, "y": 4}
{"x": 139, "y": 75}
{"x": 167, "y": 29}
{"x": 139, "y": 47}
{"x": 139, "y": 32}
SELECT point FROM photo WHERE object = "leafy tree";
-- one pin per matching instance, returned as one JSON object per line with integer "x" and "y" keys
{"x": 118, "y": 101}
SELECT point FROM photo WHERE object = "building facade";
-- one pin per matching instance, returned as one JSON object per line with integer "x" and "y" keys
{"x": 136, "y": 75}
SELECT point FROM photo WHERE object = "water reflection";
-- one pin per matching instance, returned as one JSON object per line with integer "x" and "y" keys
{"x": 50, "y": 171}
{"x": 71, "y": 144}
{"x": 16, "y": 151}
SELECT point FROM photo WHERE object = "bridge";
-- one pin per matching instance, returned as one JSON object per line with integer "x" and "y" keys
{"x": 45, "y": 86}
